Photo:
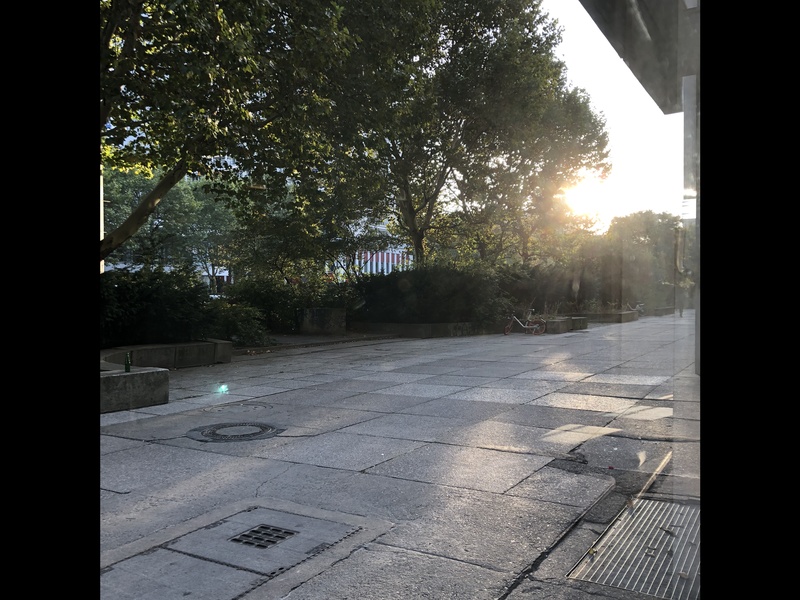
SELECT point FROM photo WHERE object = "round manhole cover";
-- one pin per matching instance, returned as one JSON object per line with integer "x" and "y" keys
{"x": 233, "y": 408}
{"x": 233, "y": 432}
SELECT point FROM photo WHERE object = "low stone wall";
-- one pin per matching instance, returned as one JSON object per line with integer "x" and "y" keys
{"x": 147, "y": 383}
{"x": 622, "y": 316}
{"x": 565, "y": 324}
{"x": 172, "y": 356}
{"x": 433, "y": 330}
{"x": 559, "y": 325}
{"x": 142, "y": 386}
{"x": 663, "y": 311}
{"x": 580, "y": 323}
{"x": 419, "y": 330}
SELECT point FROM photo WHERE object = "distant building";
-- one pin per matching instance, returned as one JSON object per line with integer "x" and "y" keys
{"x": 383, "y": 262}
{"x": 374, "y": 262}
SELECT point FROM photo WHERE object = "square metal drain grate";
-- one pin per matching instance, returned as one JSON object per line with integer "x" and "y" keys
{"x": 652, "y": 548}
{"x": 263, "y": 536}
{"x": 266, "y": 541}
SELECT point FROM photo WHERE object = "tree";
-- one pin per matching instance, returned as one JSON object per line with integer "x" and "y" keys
{"x": 212, "y": 235}
{"x": 189, "y": 229}
{"x": 473, "y": 107}
{"x": 640, "y": 259}
{"x": 155, "y": 244}
{"x": 216, "y": 89}
{"x": 370, "y": 112}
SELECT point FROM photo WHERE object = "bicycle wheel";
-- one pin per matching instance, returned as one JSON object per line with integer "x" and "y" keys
{"x": 507, "y": 329}
{"x": 539, "y": 326}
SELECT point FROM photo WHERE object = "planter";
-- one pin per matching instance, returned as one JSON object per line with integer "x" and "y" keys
{"x": 580, "y": 323}
{"x": 147, "y": 383}
{"x": 141, "y": 387}
{"x": 559, "y": 325}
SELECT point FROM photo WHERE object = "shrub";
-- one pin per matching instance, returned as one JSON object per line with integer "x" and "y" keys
{"x": 276, "y": 302}
{"x": 150, "y": 307}
{"x": 243, "y": 325}
{"x": 430, "y": 295}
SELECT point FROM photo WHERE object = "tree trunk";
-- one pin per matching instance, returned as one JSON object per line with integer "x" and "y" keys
{"x": 405, "y": 204}
{"x": 139, "y": 217}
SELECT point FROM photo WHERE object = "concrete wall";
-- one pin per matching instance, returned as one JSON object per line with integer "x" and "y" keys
{"x": 565, "y": 324}
{"x": 143, "y": 386}
{"x": 147, "y": 383}
{"x": 624, "y": 316}
{"x": 172, "y": 356}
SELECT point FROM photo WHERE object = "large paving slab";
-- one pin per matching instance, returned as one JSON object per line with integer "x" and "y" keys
{"x": 476, "y": 467}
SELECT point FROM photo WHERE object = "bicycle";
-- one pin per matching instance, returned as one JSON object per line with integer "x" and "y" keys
{"x": 638, "y": 308}
{"x": 533, "y": 324}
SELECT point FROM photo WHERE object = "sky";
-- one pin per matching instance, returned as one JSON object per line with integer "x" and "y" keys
{"x": 645, "y": 145}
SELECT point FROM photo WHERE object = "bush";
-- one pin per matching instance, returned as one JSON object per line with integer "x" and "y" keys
{"x": 151, "y": 307}
{"x": 159, "y": 307}
{"x": 276, "y": 302}
{"x": 243, "y": 325}
{"x": 430, "y": 295}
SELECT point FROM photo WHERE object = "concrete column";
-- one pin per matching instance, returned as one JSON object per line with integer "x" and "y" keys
{"x": 102, "y": 218}
{"x": 691, "y": 181}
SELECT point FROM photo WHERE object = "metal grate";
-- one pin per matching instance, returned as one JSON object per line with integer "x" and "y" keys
{"x": 652, "y": 548}
{"x": 237, "y": 432}
{"x": 263, "y": 536}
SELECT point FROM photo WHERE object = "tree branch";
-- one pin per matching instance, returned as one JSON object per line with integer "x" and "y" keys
{"x": 139, "y": 217}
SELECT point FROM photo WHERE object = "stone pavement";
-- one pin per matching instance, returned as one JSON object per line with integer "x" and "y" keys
{"x": 486, "y": 467}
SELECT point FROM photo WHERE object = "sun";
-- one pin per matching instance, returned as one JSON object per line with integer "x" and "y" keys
{"x": 592, "y": 198}
{"x": 606, "y": 199}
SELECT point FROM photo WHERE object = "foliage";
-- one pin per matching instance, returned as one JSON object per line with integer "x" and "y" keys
{"x": 296, "y": 234}
{"x": 157, "y": 306}
{"x": 151, "y": 307}
{"x": 241, "y": 324}
{"x": 222, "y": 90}
{"x": 537, "y": 288}
{"x": 433, "y": 294}
{"x": 279, "y": 140}
{"x": 639, "y": 260}
{"x": 191, "y": 228}
{"x": 471, "y": 107}
{"x": 364, "y": 112}
{"x": 278, "y": 300}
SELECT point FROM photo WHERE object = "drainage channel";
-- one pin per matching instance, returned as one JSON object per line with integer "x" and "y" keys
{"x": 652, "y": 547}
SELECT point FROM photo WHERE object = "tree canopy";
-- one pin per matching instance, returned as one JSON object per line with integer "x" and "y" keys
{"x": 332, "y": 117}
{"x": 473, "y": 114}
{"x": 216, "y": 89}
{"x": 189, "y": 229}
